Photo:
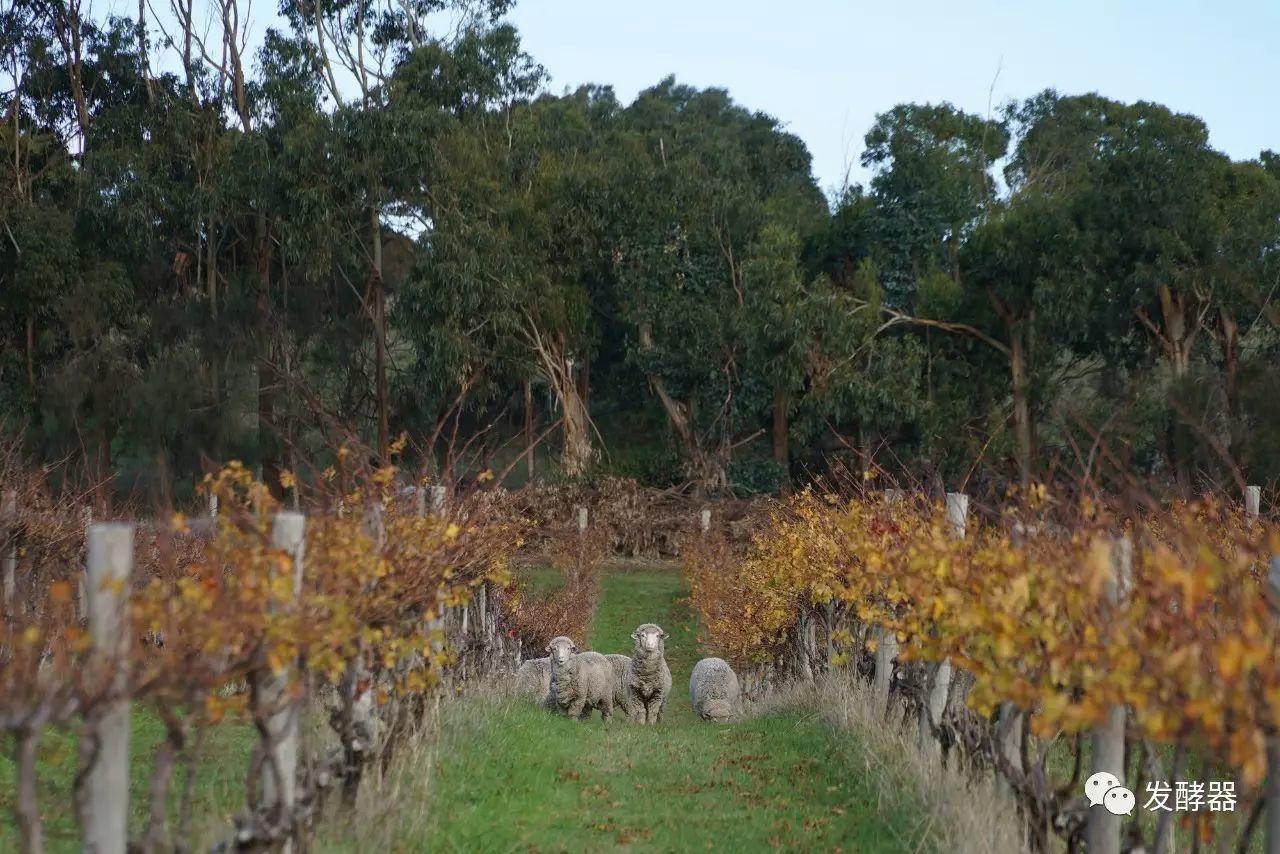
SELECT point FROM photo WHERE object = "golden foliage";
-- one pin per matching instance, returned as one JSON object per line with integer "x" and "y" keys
{"x": 1030, "y": 610}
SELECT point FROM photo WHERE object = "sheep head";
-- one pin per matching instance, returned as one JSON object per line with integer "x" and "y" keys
{"x": 560, "y": 649}
{"x": 649, "y": 639}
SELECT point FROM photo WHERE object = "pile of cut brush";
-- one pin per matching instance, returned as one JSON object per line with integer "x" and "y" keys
{"x": 639, "y": 521}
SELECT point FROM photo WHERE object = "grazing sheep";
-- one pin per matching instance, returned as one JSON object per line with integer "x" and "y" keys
{"x": 647, "y": 679}
{"x": 580, "y": 681}
{"x": 533, "y": 678}
{"x": 713, "y": 687}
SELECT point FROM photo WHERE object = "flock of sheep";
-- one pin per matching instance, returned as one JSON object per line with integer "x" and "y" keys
{"x": 575, "y": 683}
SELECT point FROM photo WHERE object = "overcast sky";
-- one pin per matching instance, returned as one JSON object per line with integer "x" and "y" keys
{"x": 825, "y": 67}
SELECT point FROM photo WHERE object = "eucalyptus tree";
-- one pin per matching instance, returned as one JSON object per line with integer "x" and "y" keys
{"x": 356, "y": 48}
{"x": 517, "y": 247}
{"x": 933, "y": 181}
{"x": 702, "y": 178}
{"x": 1159, "y": 238}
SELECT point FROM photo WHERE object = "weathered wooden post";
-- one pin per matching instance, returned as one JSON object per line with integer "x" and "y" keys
{"x": 704, "y": 521}
{"x": 958, "y": 513}
{"x": 439, "y": 495}
{"x": 886, "y": 641}
{"x": 106, "y": 812}
{"x": 1252, "y": 501}
{"x": 1252, "y": 506}
{"x": 10, "y": 570}
{"x": 1102, "y": 833}
{"x": 1009, "y": 721}
{"x": 582, "y": 520}
{"x": 213, "y": 505}
{"x": 82, "y": 577}
{"x": 280, "y": 744}
{"x": 939, "y": 687}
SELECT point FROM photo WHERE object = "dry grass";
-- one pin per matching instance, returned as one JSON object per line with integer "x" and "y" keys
{"x": 957, "y": 814}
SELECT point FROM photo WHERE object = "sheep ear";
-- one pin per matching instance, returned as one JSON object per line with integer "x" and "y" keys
{"x": 548, "y": 649}
{"x": 573, "y": 647}
{"x": 664, "y": 635}
{"x": 635, "y": 635}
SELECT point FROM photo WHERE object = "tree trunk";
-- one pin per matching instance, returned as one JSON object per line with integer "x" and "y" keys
{"x": 576, "y": 454}
{"x": 709, "y": 470}
{"x": 781, "y": 450}
{"x": 1177, "y": 339}
{"x": 528, "y": 427}
{"x": 676, "y": 411}
{"x": 380, "y": 338}
{"x": 215, "y": 373}
{"x": 31, "y": 351}
{"x": 1231, "y": 358}
{"x": 103, "y": 466}
{"x": 268, "y": 447}
{"x": 584, "y": 382}
{"x": 1021, "y": 407}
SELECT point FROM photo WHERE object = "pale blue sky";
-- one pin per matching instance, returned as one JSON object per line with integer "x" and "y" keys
{"x": 825, "y": 68}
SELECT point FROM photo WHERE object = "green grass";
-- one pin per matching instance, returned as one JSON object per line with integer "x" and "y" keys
{"x": 539, "y": 580}
{"x": 513, "y": 778}
{"x": 217, "y": 792}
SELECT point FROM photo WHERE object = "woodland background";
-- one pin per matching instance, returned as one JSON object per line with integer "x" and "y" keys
{"x": 381, "y": 223}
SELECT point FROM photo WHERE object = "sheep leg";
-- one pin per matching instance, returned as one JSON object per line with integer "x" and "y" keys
{"x": 662, "y": 707}
{"x": 650, "y": 713}
{"x": 606, "y": 709}
{"x": 575, "y": 709}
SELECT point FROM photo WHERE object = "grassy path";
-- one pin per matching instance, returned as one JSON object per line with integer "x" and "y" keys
{"x": 513, "y": 778}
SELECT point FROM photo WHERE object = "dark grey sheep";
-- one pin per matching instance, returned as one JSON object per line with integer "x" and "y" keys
{"x": 713, "y": 687}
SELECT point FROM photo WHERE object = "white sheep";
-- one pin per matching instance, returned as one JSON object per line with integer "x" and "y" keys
{"x": 646, "y": 682}
{"x": 713, "y": 687}
{"x": 533, "y": 678}
{"x": 580, "y": 681}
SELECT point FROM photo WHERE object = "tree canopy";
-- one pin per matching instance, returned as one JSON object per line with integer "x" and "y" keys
{"x": 381, "y": 222}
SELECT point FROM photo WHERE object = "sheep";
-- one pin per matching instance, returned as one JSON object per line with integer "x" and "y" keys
{"x": 619, "y": 664}
{"x": 646, "y": 682}
{"x": 533, "y": 678}
{"x": 580, "y": 681}
{"x": 713, "y": 688}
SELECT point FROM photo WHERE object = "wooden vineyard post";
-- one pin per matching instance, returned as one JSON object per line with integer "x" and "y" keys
{"x": 106, "y": 812}
{"x": 1102, "y": 833}
{"x": 1252, "y": 501}
{"x": 939, "y": 685}
{"x": 704, "y": 521}
{"x": 1252, "y": 508}
{"x": 280, "y": 743}
{"x": 886, "y": 643}
{"x": 1009, "y": 721}
{"x": 886, "y": 652}
{"x": 582, "y": 520}
{"x": 82, "y": 577}
{"x": 435, "y": 625}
